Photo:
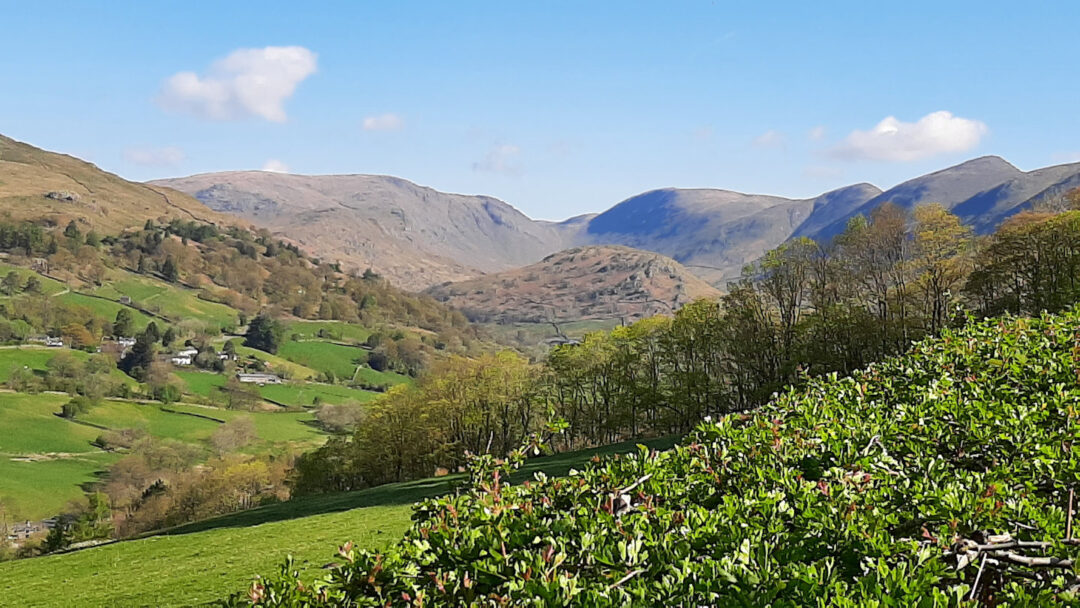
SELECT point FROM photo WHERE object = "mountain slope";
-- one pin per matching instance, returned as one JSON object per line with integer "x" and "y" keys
{"x": 713, "y": 232}
{"x": 982, "y": 192}
{"x": 416, "y": 236}
{"x": 595, "y": 282}
{"x": 419, "y": 237}
{"x": 41, "y": 185}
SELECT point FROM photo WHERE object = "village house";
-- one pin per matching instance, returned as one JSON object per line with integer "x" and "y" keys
{"x": 187, "y": 352}
{"x": 180, "y": 360}
{"x": 259, "y": 378}
{"x": 52, "y": 342}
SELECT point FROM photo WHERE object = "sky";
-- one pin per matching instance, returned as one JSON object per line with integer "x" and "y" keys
{"x": 559, "y": 108}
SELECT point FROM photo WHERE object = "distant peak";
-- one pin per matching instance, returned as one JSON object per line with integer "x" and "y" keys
{"x": 989, "y": 161}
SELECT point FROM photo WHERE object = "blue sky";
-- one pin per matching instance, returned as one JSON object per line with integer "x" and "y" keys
{"x": 559, "y": 108}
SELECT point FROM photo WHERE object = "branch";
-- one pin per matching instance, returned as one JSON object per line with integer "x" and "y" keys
{"x": 622, "y": 580}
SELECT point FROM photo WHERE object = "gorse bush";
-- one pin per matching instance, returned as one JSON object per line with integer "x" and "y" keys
{"x": 940, "y": 478}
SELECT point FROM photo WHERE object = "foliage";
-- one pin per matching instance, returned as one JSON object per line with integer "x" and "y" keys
{"x": 855, "y": 491}
{"x": 264, "y": 333}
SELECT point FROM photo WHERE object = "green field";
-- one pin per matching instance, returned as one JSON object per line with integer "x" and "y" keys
{"x": 324, "y": 356}
{"x": 105, "y": 308}
{"x": 290, "y": 394}
{"x": 37, "y": 359}
{"x": 304, "y": 394}
{"x": 175, "y": 303}
{"x": 153, "y": 418}
{"x": 276, "y": 364}
{"x": 49, "y": 286}
{"x": 205, "y": 561}
{"x": 343, "y": 332}
{"x": 44, "y": 459}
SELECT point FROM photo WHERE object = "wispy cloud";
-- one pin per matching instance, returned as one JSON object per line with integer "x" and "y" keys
{"x": 770, "y": 139}
{"x": 383, "y": 122}
{"x": 168, "y": 156}
{"x": 501, "y": 158}
{"x": 818, "y": 133}
{"x": 246, "y": 83}
{"x": 275, "y": 166}
{"x": 893, "y": 140}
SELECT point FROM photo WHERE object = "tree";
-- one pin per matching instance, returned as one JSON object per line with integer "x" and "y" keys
{"x": 76, "y": 406}
{"x": 168, "y": 337}
{"x": 136, "y": 363}
{"x": 72, "y": 230}
{"x": 233, "y": 435}
{"x": 124, "y": 324}
{"x": 264, "y": 333}
{"x": 10, "y": 283}
{"x": 33, "y": 285}
{"x": 169, "y": 270}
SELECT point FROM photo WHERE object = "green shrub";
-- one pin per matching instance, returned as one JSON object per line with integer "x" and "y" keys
{"x": 869, "y": 490}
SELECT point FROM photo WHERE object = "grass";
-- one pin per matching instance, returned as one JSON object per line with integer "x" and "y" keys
{"x": 275, "y": 363}
{"x": 271, "y": 427}
{"x": 344, "y": 332}
{"x": 105, "y": 308}
{"x": 49, "y": 286}
{"x": 324, "y": 356}
{"x": 38, "y": 357}
{"x": 205, "y": 561}
{"x": 175, "y": 303}
{"x": 157, "y": 421}
{"x": 305, "y": 394}
{"x": 44, "y": 459}
{"x": 293, "y": 394}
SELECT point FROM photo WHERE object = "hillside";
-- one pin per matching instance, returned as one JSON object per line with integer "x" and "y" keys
{"x": 415, "y": 236}
{"x": 597, "y": 282}
{"x": 941, "y": 477}
{"x": 208, "y": 560}
{"x": 56, "y": 188}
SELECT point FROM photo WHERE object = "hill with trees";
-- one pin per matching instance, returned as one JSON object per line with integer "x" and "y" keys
{"x": 599, "y": 282}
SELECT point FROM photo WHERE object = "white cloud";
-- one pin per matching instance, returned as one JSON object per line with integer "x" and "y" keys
{"x": 501, "y": 158}
{"x": 770, "y": 139}
{"x": 246, "y": 83}
{"x": 896, "y": 141}
{"x": 817, "y": 133}
{"x": 275, "y": 166}
{"x": 168, "y": 156}
{"x": 383, "y": 122}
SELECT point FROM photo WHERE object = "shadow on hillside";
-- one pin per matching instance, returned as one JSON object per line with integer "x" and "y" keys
{"x": 399, "y": 493}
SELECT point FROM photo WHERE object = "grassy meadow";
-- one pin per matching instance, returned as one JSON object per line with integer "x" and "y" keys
{"x": 201, "y": 562}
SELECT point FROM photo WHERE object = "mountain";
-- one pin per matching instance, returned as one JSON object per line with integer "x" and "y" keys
{"x": 713, "y": 232}
{"x": 56, "y": 188}
{"x": 982, "y": 192}
{"x": 414, "y": 235}
{"x": 420, "y": 237}
{"x": 594, "y": 282}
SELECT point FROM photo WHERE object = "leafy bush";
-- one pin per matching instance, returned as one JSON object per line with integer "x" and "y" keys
{"x": 892, "y": 487}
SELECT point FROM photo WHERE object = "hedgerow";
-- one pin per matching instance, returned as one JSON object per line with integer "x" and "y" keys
{"x": 940, "y": 478}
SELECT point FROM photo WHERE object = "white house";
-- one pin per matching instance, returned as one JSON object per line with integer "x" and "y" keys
{"x": 258, "y": 378}
{"x": 54, "y": 342}
{"x": 180, "y": 360}
{"x": 125, "y": 341}
{"x": 188, "y": 352}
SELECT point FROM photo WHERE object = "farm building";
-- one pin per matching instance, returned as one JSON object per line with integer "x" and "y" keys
{"x": 258, "y": 378}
